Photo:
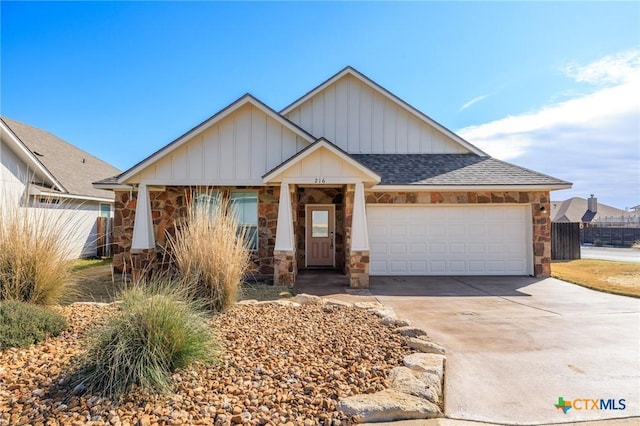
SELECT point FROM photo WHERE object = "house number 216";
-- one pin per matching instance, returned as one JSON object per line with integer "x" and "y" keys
{"x": 319, "y": 180}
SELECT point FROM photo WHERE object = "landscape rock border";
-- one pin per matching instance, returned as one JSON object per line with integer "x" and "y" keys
{"x": 416, "y": 388}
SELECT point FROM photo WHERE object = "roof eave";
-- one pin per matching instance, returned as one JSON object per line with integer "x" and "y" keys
{"x": 26, "y": 152}
{"x": 112, "y": 186}
{"x": 470, "y": 187}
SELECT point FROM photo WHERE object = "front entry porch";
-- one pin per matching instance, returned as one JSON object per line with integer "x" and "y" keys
{"x": 323, "y": 220}
{"x": 321, "y": 174}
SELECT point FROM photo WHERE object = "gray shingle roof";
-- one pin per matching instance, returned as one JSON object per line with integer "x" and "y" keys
{"x": 576, "y": 210}
{"x": 450, "y": 169}
{"x": 74, "y": 168}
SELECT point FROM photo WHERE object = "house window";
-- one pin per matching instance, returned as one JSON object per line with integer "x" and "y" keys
{"x": 206, "y": 202}
{"x": 105, "y": 210}
{"x": 244, "y": 206}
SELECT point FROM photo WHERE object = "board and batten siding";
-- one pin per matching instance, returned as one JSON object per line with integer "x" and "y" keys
{"x": 238, "y": 150}
{"x": 321, "y": 164}
{"x": 360, "y": 120}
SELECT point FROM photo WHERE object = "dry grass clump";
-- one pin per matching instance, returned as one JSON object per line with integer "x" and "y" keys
{"x": 36, "y": 245}
{"x": 208, "y": 250}
{"x": 604, "y": 275}
{"x": 158, "y": 329}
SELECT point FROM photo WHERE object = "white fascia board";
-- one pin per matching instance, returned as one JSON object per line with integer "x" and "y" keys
{"x": 310, "y": 150}
{"x": 24, "y": 152}
{"x": 393, "y": 98}
{"x": 459, "y": 188}
{"x": 73, "y": 197}
{"x": 112, "y": 186}
{"x": 172, "y": 146}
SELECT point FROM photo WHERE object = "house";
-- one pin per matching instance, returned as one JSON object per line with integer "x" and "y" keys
{"x": 589, "y": 212}
{"x": 348, "y": 176}
{"x": 40, "y": 171}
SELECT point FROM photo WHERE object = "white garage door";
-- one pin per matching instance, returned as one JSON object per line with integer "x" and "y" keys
{"x": 448, "y": 240}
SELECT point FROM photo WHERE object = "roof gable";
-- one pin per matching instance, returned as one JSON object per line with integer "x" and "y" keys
{"x": 163, "y": 157}
{"x": 362, "y": 117}
{"x": 321, "y": 163}
{"x": 70, "y": 169}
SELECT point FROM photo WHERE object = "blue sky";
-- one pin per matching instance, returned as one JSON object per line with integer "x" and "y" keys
{"x": 550, "y": 86}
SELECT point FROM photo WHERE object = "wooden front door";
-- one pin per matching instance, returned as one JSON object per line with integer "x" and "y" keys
{"x": 320, "y": 235}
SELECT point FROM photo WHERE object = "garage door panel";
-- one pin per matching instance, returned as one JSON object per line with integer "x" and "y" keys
{"x": 457, "y": 267}
{"x": 397, "y": 249}
{"x": 438, "y": 267}
{"x": 448, "y": 240}
{"x": 418, "y": 249}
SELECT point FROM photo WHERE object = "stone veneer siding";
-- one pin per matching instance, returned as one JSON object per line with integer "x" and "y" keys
{"x": 541, "y": 226}
{"x": 167, "y": 207}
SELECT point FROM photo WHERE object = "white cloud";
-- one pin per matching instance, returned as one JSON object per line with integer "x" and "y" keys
{"x": 592, "y": 140}
{"x": 473, "y": 101}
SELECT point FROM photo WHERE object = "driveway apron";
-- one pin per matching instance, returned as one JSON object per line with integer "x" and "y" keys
{"x": 517, "y": 344}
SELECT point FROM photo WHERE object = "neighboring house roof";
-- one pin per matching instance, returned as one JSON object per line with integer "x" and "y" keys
{"x": 74, "y": 169}
{"x": 575, "y": 210}
{"x": 450, "y": 169}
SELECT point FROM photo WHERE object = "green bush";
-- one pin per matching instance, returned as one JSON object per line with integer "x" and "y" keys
{"x": 157, "y": 330}
{"x": 36, "y": 247}
{"x": 208, "y": 249}
{"x": 22, "y": 324}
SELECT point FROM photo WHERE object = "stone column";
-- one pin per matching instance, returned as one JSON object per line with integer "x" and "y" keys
{"x": 540, "y": 209}
{"x": 284, "y": 251}
{"x": 359, "y": 249}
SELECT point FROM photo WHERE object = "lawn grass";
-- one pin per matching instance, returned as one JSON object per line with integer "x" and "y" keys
{"x": 262, "y": 292}
{"x": 82, "y": 264}
{"x": 608, "y": 276}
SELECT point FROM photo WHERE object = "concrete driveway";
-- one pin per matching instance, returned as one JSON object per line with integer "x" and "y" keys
{"x": 517, "y": 344}
{"x": 610, "y": 253}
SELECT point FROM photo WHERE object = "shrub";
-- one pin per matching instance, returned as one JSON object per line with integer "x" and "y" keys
{"x": 22, "y": 324}
{"x": 208, "y": 249}
{"x": 36, "y": 245}
{"x": 158, "y": 329}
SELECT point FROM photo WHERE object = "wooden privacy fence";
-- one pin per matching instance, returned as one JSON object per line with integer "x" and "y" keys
{"x": 104, "y": 236}
{"x": 565, "y": 241}
{"x": 614, "y": 236}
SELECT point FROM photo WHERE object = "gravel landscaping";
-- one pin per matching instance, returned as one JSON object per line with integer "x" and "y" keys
{"x": 281, "y": 364}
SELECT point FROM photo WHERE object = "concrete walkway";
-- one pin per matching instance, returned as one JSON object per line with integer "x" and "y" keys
{"x": 517, "y": 344}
